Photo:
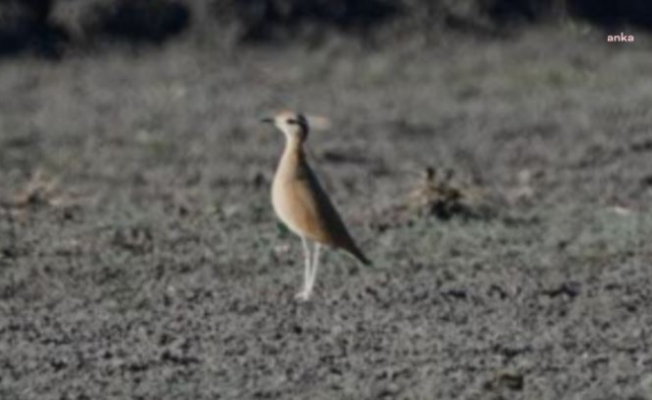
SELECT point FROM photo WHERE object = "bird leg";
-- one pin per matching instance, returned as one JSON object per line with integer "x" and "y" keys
{"x": 304, "y": 294}
{"x": 315, "y": 265}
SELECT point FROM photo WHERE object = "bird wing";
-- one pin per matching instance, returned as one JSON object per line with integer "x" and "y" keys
{"x": 321, "y": 221}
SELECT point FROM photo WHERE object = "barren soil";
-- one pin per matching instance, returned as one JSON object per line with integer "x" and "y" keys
{"x": 140, "y": 257}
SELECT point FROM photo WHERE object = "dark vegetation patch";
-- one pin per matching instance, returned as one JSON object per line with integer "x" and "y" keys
{"x": 50, "y": 27}
{"x": 25, "y": 24}
{"x": 144, "y": 21}
{"x": 270, "y": 19}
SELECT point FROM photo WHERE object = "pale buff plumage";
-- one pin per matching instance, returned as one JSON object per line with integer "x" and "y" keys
{"x": 301, "y": 203}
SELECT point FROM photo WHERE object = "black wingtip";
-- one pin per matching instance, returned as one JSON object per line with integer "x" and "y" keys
{"x": 364, "y": 260}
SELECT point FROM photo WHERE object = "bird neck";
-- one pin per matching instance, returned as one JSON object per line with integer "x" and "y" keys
{"x": 292, "y": 161}
{"x": 294, "y": 149}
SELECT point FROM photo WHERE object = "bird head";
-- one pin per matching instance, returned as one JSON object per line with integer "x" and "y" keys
{"x": 293, "y": 125}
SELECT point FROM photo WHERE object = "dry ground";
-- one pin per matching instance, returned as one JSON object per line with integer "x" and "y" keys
{"x": 140, "y": 258}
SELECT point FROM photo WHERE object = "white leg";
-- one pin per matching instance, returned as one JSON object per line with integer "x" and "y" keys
{"x": 304, "y": 294}
{"x": 315, "y": 265}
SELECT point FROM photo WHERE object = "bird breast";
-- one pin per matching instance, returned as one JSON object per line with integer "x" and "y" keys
{"x": 284, "y": 191}
{"x": 297, "y": 199}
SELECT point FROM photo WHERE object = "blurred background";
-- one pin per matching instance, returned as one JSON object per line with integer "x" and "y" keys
{"x": 54, "y": 28}
{"x": 492, "y": 157}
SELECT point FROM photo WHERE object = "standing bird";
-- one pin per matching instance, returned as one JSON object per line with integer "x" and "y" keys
{"x": 301, "y": 203}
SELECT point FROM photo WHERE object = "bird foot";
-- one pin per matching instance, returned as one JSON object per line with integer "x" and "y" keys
{"x": 303, "y": 295}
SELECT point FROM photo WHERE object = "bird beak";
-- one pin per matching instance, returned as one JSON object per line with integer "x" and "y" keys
{"x": 267, "y": 120}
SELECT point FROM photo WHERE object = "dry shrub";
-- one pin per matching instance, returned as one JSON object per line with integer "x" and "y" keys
{"x": 440, "y": 195}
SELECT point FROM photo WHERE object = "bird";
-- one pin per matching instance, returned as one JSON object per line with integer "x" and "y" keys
{"x": 301, "y": 203}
